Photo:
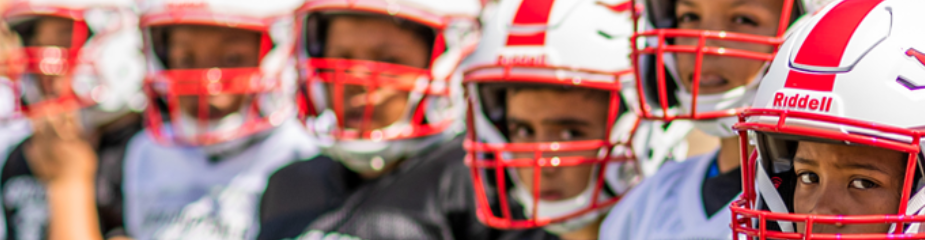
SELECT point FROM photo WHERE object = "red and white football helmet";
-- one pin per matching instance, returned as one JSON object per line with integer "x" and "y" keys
{"x": 559, "y": 44}
{"x": 654, "y": 52}
{"x": 853, "y": 75}
{"x": 102, "y": 68}
{"x": 268, "y": 87}
{"x": 435, "y": 103}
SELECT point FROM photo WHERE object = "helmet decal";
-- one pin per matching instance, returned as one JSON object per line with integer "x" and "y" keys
{"x": 826, "y": 45}
{"x": 530, "y": 14}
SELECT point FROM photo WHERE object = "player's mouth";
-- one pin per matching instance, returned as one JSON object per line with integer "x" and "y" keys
{"x": 711, "y": 83}
{"x": 353, "y": 118}
{"x": 551, "y": 195}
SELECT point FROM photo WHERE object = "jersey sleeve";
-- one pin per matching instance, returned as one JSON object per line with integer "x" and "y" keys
{"x": 288, "y": 206}
{"x": 458, "y": 203}
{"x": 14, "y": 166}
{"x": 109, "y": 192}
{"x": 633, "y": 213}
{"x": 623, "y": 220}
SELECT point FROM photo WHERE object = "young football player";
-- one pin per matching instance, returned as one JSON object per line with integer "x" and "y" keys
{"x": 698, "y": 60}
{"x": 77, "y": 75}
{"x": 839, "y": 153}
{"x": 220, "y": 118}
{"x": 548, "y": 126}
{"x": 381, "y": 92}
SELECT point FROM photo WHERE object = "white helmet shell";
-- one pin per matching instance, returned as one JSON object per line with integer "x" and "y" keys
{"x": 852, "y": 76}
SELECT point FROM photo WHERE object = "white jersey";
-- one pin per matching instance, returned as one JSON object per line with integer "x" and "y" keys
{"x": 175, "y": 192}
{"x": 668, "y": 205}
{"x": 12, "y": 131}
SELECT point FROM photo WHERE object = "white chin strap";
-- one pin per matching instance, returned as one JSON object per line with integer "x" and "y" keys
{"x": 233, "y": 121}
{"x": 554, "y": 209}
{"x": 735, "y": 98}
{"x": 768, "y": 193}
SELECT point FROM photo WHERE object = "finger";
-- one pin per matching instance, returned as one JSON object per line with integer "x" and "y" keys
{"x": 65, "y": 127}
{"x": 40, "y": 127}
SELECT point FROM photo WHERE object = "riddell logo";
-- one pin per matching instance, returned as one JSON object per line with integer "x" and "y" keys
{"x": 186, "y": 4}
{"x": 802, "y": 101}
{"x": 522, "y": 60}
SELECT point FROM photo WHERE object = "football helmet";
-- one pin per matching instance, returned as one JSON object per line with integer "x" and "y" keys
{"x": 565, "y": 45}
{"x": 657, "y": 46}
{"x": 851, "y": 76}
{"x": 99, "y": 70}
{"x": 266, "y": 88}
{"x": 434, "y": 110}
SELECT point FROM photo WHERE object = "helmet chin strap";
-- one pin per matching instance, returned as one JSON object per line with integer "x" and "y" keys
{"x": 365, "y": 156}
{"x": 553, "y": 209}
{"x": 772, "y": 199}
{"x": 738, "y": 97}
{"x": 734, "y": 98}
{"x": 223, "y": 149}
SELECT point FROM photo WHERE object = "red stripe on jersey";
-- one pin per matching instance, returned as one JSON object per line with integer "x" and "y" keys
{"x": 825, "y": 45}
{"x": 531, "y": 12}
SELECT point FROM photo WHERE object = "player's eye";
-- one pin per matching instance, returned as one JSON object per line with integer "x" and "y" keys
{"x": 570, "y": 134}
{"x": 186, "y": 61}
{"x": 862, "y": 184}
{"x": 520, "y": 131}
{"x": 686, "y": 17}
{"x": 745, "y": 20}
{"x": 390, "y": 59}
{"x": 808, "y": 178}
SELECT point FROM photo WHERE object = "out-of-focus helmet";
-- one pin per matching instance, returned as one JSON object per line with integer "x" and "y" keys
{"x": 435, "y": 103}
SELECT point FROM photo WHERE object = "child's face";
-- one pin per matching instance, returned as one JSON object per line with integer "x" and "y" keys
{"x": 836, "y": 179}
{"x": 374, "y": 39}
{"x": 540, "y": 115}
{"x": 212, "y": 47}
{"x": 721, "y": 73}
{"x": 51, "y": 31}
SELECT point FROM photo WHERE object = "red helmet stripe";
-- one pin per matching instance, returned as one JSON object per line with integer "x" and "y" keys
{"x": 826, "y": 44}
{"x": 532, "y": 12}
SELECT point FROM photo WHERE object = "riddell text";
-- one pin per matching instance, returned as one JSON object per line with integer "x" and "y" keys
{"x": 802, "y": 101}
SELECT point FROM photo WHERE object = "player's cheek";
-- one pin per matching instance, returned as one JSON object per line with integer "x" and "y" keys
{"x": 801, "y": 198}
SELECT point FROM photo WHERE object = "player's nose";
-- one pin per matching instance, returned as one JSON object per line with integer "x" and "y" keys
{"x": 829, "y": 200}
